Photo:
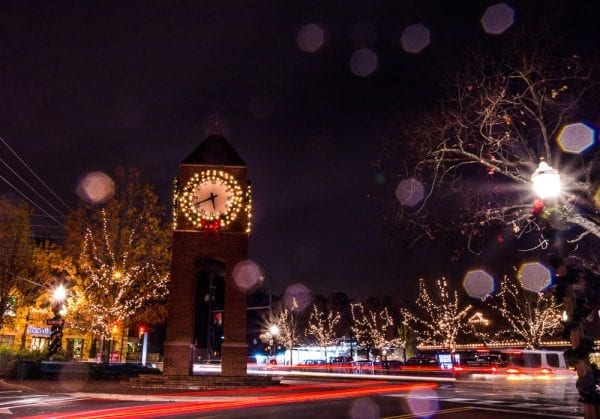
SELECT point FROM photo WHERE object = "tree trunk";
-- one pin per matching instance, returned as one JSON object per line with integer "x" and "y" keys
{"x": 569, "y": 280}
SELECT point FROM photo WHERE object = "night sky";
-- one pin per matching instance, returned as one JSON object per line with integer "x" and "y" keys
{"x": 87, "y": 86}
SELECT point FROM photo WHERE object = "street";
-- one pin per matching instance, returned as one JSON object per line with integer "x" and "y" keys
{"x": 299, "y": 397}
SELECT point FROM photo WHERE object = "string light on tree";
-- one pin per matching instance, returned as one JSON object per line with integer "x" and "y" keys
{"x": 322, "y": 326}
{"x": 531, "y": 316}
{"x": 374, "y": 329}
{"x": 440, "y": 320}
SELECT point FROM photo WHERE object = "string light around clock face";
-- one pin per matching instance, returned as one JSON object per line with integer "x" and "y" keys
{"x": 211, "y": 197}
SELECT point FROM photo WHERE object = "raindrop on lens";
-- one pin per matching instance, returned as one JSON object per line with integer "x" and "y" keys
{"x": 497, "y": 18}
{"x": 96, "y": 188}
{"x": 409, "y": 192}
{"x": 363, "y": 62}
{"x": 247, "y": 274}
{"x": 415, "y": 38}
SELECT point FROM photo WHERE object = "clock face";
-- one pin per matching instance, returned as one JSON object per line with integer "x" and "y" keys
{"x": 213, "y": 197}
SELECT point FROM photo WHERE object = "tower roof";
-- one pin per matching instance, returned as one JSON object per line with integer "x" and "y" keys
{"x": 214, "y": 150}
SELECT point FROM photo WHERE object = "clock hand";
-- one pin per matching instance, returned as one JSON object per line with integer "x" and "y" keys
{"x": 212, "y": 198}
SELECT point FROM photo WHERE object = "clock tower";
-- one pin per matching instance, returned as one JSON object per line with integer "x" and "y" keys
{"x": 212, "y": 213}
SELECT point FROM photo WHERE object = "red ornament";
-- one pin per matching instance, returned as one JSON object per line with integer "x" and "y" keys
{"x": 210, "y": 226}
{"x": 538, "y": 207}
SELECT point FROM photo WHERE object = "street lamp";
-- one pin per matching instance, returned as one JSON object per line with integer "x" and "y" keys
{"x": 274, "y": 331}
{"x": 546, "y": 183}
{"x": 59, "y": 310}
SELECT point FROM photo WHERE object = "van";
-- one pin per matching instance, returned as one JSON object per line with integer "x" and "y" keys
{"x": 536, "y": 361}
{"x": 516, "y": 363}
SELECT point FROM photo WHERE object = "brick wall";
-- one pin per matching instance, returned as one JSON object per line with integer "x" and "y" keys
{"x": 230, "y": 248}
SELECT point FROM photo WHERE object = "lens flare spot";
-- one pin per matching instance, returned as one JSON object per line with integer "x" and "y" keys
{"x": 415, "y": 38}
{"x": 247, "y": 275}
{"x": 363, "y": 62}
{"x": 498, "y": 18}
{"x": 364, "y": 408}
{"x": 534, "y": 276}
{"x": 479, "y": 284}
{"x": 311, "y": 37}
{"x": 96, "y": 188}
{"x": 423, "y": 402}
{"x": 297, "y": 297}
{"x": 576, "y": 138}
{"x": 409, "y": 192}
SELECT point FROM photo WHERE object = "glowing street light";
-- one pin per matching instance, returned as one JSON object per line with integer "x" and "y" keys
{"x": 274, "y": 331}
{"x": 59, "y": 296}
{"x": 546, "y": 181}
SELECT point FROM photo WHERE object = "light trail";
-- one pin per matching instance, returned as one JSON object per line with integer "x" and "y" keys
{"x": 290, "y": 397}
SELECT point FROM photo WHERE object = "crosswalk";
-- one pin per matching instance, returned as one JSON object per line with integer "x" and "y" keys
{"x": 547, "y": 408}
{"x": 14, "y": 399}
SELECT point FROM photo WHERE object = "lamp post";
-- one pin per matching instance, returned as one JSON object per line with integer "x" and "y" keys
{"x": 547, "y": 185}
{"x": 59, "y": 310}
{"x": 274, "y": 331}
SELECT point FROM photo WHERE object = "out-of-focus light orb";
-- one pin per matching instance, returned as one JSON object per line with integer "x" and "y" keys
{"x": 478, "y": 284}
{"x": 247, "y": 275}
{"x": 363, "y": 62}
{"x": 498, "y": 18}
{"x": 423, "y": 402}
{"x": 297, "y": 297}
{"x": 409, "y": 192}
{"x": 311, "y": 37}
{"x": 96, "y": 188}
{"x": 576, "y": 138}
{"x": 415, "y": 38}
{"x": 364, "y": 408}
{"x": 363, "y": 34}
{"x": 534, "y": 276}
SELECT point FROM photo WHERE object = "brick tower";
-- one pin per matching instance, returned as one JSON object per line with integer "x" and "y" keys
{"x": 206, "y": 310}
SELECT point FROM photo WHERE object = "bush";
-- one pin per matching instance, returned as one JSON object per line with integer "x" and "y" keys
{"x": 10, "y": 357}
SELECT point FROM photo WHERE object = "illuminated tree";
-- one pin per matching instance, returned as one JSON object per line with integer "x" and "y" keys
{"x": 475, "y": 153}
{"x": 122, "y": 252}
{"x": 16, "y": 255}
{"x": 467, "y": 167}
{"x": 290, "y": 328}
{"x": 531, "y": 316}
{"x": 374, "y": 328}
{"x": 440, "y": 318}
{"x": 322, "y": 325}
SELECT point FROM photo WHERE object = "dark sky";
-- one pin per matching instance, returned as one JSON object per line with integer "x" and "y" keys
{"x": 87, "y": 86}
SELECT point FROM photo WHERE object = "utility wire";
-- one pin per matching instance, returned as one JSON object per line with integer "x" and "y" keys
{"x": 32, "y": 203}
{"x": 31, "y": 187}
{"x": 35, "y": 175}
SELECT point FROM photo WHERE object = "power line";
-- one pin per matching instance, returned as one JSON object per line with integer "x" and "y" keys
{"x": 31, "y": 187}
{"x": 30, "y": 201}
{"x": 35, "y": 175}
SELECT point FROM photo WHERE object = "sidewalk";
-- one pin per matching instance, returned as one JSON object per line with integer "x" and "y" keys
{"x": 109, "y": 389}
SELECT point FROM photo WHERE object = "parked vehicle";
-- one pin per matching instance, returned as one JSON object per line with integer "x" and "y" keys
{"x": 516, "y": 363}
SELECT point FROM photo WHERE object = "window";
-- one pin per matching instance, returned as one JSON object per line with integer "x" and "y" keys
{"x": 38, "y": 343}
{"x": 7, "y": 340}
{"x": 553, "y": 360}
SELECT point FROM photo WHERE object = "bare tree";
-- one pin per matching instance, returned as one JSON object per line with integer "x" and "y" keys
{"x": 530, "y": 316}
{"x": 473, "y": 157}
{"x": 439, "y": 318}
